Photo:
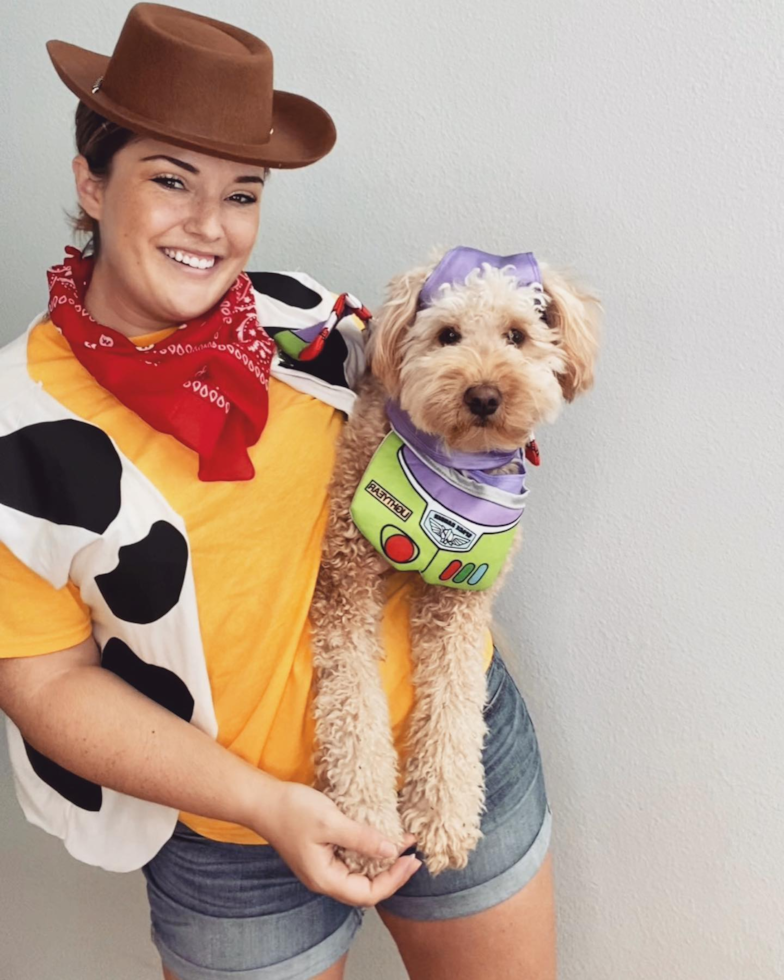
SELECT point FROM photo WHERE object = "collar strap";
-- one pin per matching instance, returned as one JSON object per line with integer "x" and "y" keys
{"x": 430, "y": 448}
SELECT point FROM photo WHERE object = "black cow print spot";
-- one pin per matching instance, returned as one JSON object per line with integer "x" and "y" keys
{"x": 80, "y": 792}
{"x": 285, "y": 288}
{"x": 148, "y": 578}
{"x": 66, "y": 472}
{"x": 157, "y": 683}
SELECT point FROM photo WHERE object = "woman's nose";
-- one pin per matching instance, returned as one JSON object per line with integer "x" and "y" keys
{"x": 204, "y": 219}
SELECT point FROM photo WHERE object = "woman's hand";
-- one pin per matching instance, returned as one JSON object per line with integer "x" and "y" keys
{"x": 304, "y": 827}
{"x": 70, "y": 709}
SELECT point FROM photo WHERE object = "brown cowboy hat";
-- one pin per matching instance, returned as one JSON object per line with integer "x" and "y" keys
{"x": 198, "y": 83}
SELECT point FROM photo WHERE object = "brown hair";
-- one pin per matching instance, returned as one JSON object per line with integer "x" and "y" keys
{"x": 97, "y": 140}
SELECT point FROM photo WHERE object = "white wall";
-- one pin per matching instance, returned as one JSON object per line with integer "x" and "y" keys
{"x": 641, "y": 144}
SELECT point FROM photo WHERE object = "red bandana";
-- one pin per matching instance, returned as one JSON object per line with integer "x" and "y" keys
{"x": 206, "y": 385}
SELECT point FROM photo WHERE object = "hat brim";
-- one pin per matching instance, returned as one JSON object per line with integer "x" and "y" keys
{"x": 302, "y": 132}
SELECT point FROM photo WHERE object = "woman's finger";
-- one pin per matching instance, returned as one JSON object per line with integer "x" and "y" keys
{"x": 358, "y": 889}
{"x": 360, "y": 837}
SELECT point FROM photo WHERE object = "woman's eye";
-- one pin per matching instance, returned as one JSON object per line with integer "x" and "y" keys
{"x": 166, "y": 181}
{"x": 449, "y": 336}
{"x": 169, "y": 181}
{"x": 515, "y": 336}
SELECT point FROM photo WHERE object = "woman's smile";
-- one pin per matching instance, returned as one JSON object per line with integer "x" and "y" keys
{"x": 191, "y": 263}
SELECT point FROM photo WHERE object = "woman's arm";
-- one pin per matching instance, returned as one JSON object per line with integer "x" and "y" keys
{"x": 91, "y": 722}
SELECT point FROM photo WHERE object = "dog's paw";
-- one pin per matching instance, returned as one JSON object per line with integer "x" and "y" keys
{"x": 362, "y": 864}
{"x": 445, "y": 833}
{"x": 384, "y": 818}
{"x": 443, "y": 846}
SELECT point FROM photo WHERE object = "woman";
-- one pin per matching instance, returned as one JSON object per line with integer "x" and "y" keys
{"x": 162, "y": 503}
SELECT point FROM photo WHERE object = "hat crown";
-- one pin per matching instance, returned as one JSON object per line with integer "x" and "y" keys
{"x": 192, "y": 74}
{"x": 196, "y": 82}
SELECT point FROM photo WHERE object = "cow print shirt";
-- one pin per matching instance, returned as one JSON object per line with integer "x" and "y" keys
{"x": 197, "y": 594}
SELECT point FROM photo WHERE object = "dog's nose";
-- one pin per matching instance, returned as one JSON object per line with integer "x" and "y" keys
{"x": 482, "y": 400}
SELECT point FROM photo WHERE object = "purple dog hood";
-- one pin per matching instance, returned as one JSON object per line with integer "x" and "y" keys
{"x": 458, "y": 262}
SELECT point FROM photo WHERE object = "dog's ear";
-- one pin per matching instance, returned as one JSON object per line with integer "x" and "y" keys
{"x": 574, "y": 315}
{"x": 384, "y": 349}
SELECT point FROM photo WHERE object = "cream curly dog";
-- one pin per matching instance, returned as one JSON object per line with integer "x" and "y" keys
{"x": 480, "y": 367}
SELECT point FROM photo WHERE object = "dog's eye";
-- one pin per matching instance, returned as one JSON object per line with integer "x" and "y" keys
{"x": 449, "y": 336}
{"x": 515, "y": 336}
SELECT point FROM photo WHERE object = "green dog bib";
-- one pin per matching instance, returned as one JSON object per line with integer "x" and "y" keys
{"x": 427, "y": 517}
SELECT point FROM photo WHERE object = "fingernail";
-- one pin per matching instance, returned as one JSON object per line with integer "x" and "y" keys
{"x": 415, "y": 863}
{"x": 387, "y": 850}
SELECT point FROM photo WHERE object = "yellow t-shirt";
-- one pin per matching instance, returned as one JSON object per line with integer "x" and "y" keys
{"x": 255, "y": 548}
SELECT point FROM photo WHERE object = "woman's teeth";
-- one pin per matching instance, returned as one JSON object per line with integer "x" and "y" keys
{"x": 192, "y": 260}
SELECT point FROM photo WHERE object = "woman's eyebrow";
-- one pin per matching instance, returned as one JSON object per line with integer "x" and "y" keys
{"x": 246, "y": 179}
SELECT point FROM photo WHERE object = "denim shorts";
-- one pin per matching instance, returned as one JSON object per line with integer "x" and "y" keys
{"x": 236, "y": 910}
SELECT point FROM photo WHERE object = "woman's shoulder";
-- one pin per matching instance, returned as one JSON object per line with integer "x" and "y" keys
{"x": 294, "y": 301}
{"x": 295, "y": 289}
{"x": 15, "y": 381}
{"x": 296, "y": 296}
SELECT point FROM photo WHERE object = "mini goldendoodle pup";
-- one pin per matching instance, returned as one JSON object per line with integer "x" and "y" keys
{"x": 467, "y": 356}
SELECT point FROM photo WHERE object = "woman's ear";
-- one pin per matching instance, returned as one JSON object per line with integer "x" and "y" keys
{"x": 89, "y": 188}
{"x": 574, "y": 315}
{"x": 387, "y": 330}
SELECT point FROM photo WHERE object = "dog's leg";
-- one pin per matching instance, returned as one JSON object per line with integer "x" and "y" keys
{"x": 443, "y": 796}
{"x": 356, "y": 761}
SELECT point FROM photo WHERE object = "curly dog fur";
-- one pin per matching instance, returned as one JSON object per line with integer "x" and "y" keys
{"x": 536, "y": 361}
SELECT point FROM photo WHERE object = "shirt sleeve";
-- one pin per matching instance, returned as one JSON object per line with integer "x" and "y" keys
{"x": 36, "y": 618}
